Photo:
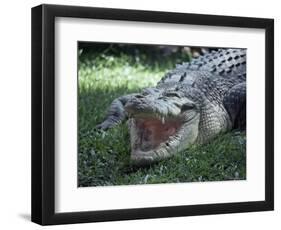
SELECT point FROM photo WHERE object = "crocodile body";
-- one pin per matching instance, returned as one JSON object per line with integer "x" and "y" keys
{"x": 192, "y": 103}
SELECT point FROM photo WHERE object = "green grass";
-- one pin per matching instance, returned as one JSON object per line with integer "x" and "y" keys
{"x": 104, "y": 157}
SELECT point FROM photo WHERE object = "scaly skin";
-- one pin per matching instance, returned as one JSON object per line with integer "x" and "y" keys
{"x": 191, "y": 104}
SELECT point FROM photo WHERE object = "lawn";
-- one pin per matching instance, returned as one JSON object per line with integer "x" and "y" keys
{"x": 104, "y": 157}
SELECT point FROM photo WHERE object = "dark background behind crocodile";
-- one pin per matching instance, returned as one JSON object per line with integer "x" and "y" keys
{"x": 106, "y": 71}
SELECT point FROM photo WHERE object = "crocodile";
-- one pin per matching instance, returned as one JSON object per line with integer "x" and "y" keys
{"x": 191, "y": 104}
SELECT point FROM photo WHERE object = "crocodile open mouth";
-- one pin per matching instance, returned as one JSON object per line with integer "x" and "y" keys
{"x": 150, "y": 133}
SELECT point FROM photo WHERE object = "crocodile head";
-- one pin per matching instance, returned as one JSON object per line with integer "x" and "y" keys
{"x": 161, "y": 122}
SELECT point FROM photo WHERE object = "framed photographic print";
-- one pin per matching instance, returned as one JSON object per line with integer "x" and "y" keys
{"x": 142, "y": 114}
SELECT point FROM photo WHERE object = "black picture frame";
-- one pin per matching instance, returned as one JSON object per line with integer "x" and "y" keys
{"x": 43, "y": 114}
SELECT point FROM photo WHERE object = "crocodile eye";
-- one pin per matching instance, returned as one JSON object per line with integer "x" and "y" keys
{"x": 139, "y": 96}
{"x": 186, "y": 107}
{"x": 172, "y": 94}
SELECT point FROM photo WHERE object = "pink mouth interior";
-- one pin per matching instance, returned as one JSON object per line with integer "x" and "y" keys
{"x": 152, "y": 132}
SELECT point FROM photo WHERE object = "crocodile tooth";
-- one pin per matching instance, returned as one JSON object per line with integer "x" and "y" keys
{"x": 163, "y": 120}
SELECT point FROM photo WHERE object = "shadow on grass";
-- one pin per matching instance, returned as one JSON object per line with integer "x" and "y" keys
{"x": 152, "y": 56}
